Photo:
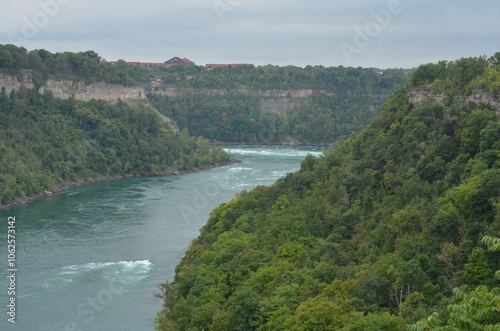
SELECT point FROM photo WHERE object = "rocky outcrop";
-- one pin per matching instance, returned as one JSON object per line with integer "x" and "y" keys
{"x": 483, "y": 97}
{"x": 177, "y": 91}
{"x": 418, "y": 95}
{"x": 274, "y": 101}
{"x": 13, "y": 83}
{"x": 64, "y": 89}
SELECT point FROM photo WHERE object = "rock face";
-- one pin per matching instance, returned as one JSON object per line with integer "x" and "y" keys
{"x": 12, "y": 83}
{"x": 177, "y": 91}
{"x": 64, "y": 89}
{"x": 418, "y": 95}
{"x": 274, "y": 101}
{"x": 482, "y": 97}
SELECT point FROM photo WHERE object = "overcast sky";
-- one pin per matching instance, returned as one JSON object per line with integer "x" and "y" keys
{"x": 367, "y": 33}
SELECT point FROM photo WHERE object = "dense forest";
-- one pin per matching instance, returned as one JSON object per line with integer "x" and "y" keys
{"x": 346, "y": 100}
{"x": 238, "y": 118}
{"x": 41, "y": 64}
{"x": 462, "y": 76}
{"x": 270, "y": 77}
{"x": 396, "y": 228}
{"x": 46, "y": 142}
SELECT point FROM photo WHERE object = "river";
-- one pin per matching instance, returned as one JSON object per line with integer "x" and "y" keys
{"x": 90, "y": 258}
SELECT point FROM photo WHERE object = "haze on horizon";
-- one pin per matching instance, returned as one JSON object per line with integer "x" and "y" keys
{"x": 375, "y": 33}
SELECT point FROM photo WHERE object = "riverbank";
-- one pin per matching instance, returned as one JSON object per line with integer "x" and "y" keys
{"x": 18, "y": 201}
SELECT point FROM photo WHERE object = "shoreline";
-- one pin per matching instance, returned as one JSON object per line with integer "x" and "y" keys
{"x": 67, "y": 185}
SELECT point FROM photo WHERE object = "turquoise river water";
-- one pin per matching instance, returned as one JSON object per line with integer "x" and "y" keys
{"x": 90, "y": 258}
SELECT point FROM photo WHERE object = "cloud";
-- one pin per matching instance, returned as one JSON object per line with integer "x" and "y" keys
{"x": 297, "y": 32}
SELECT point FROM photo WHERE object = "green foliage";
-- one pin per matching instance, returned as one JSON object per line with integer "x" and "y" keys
{"x": 346, "y": 100}
{"x": 41, "y": 64}
{"x": 428, "y": 73}
{"x": 463, "y": 76}
{"x": 474, "y": 310}
{"x": 339, "y": 80}
{"x": 374, "y": 235}
{"x": 46, "y": 142}
{"x": 477, "y": 270}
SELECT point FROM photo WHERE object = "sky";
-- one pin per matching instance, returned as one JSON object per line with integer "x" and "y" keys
{"x": 365, "y": 33}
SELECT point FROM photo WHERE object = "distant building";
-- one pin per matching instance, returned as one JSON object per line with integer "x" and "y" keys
{"x": 232, "y": 65}
{"x": 177, "y": 61}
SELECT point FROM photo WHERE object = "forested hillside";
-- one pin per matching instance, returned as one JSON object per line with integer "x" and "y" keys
{"x": 41, "y": 64}
{"x": 383, "y": 231}
{"x": 46, "y": 142}
{"x": 270, "y": 77}
{"x": 344, "y": 102}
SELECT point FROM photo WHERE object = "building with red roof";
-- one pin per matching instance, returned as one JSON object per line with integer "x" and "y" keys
{"x": 178, "y": 60}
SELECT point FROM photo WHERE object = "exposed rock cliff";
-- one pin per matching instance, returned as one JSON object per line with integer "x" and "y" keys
{"x": 419, "y": 94}
{"x": 64, "y": 89}
{"x": 176, "y": 91}
{"x": 274, "y": 101}
{"x": 13, "y": 83}
{"x": 482, "y": 97}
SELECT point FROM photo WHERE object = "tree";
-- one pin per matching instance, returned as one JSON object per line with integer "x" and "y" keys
{"x": 495, "y": 60}
{"x": 243, "y": 307}
{"x": 6, "y": 59}
{"x": 477, "y": 270}
{"x": 476, "y": 310}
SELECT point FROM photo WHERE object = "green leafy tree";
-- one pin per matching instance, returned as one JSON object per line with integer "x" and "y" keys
{"x": 475, "y": 310}
{"x": 373, "y": 235}
{"x": 477, "y": 270}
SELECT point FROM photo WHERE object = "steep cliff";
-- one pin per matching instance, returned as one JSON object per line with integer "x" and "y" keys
{"x": 176, "y": 91}
{"x": 269, "y": 116}
{"x": 271, "y": 100}
{"x": 14, "y": 83}
{"x": 419, "y": 94}
{"x": 65, "y": 89}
